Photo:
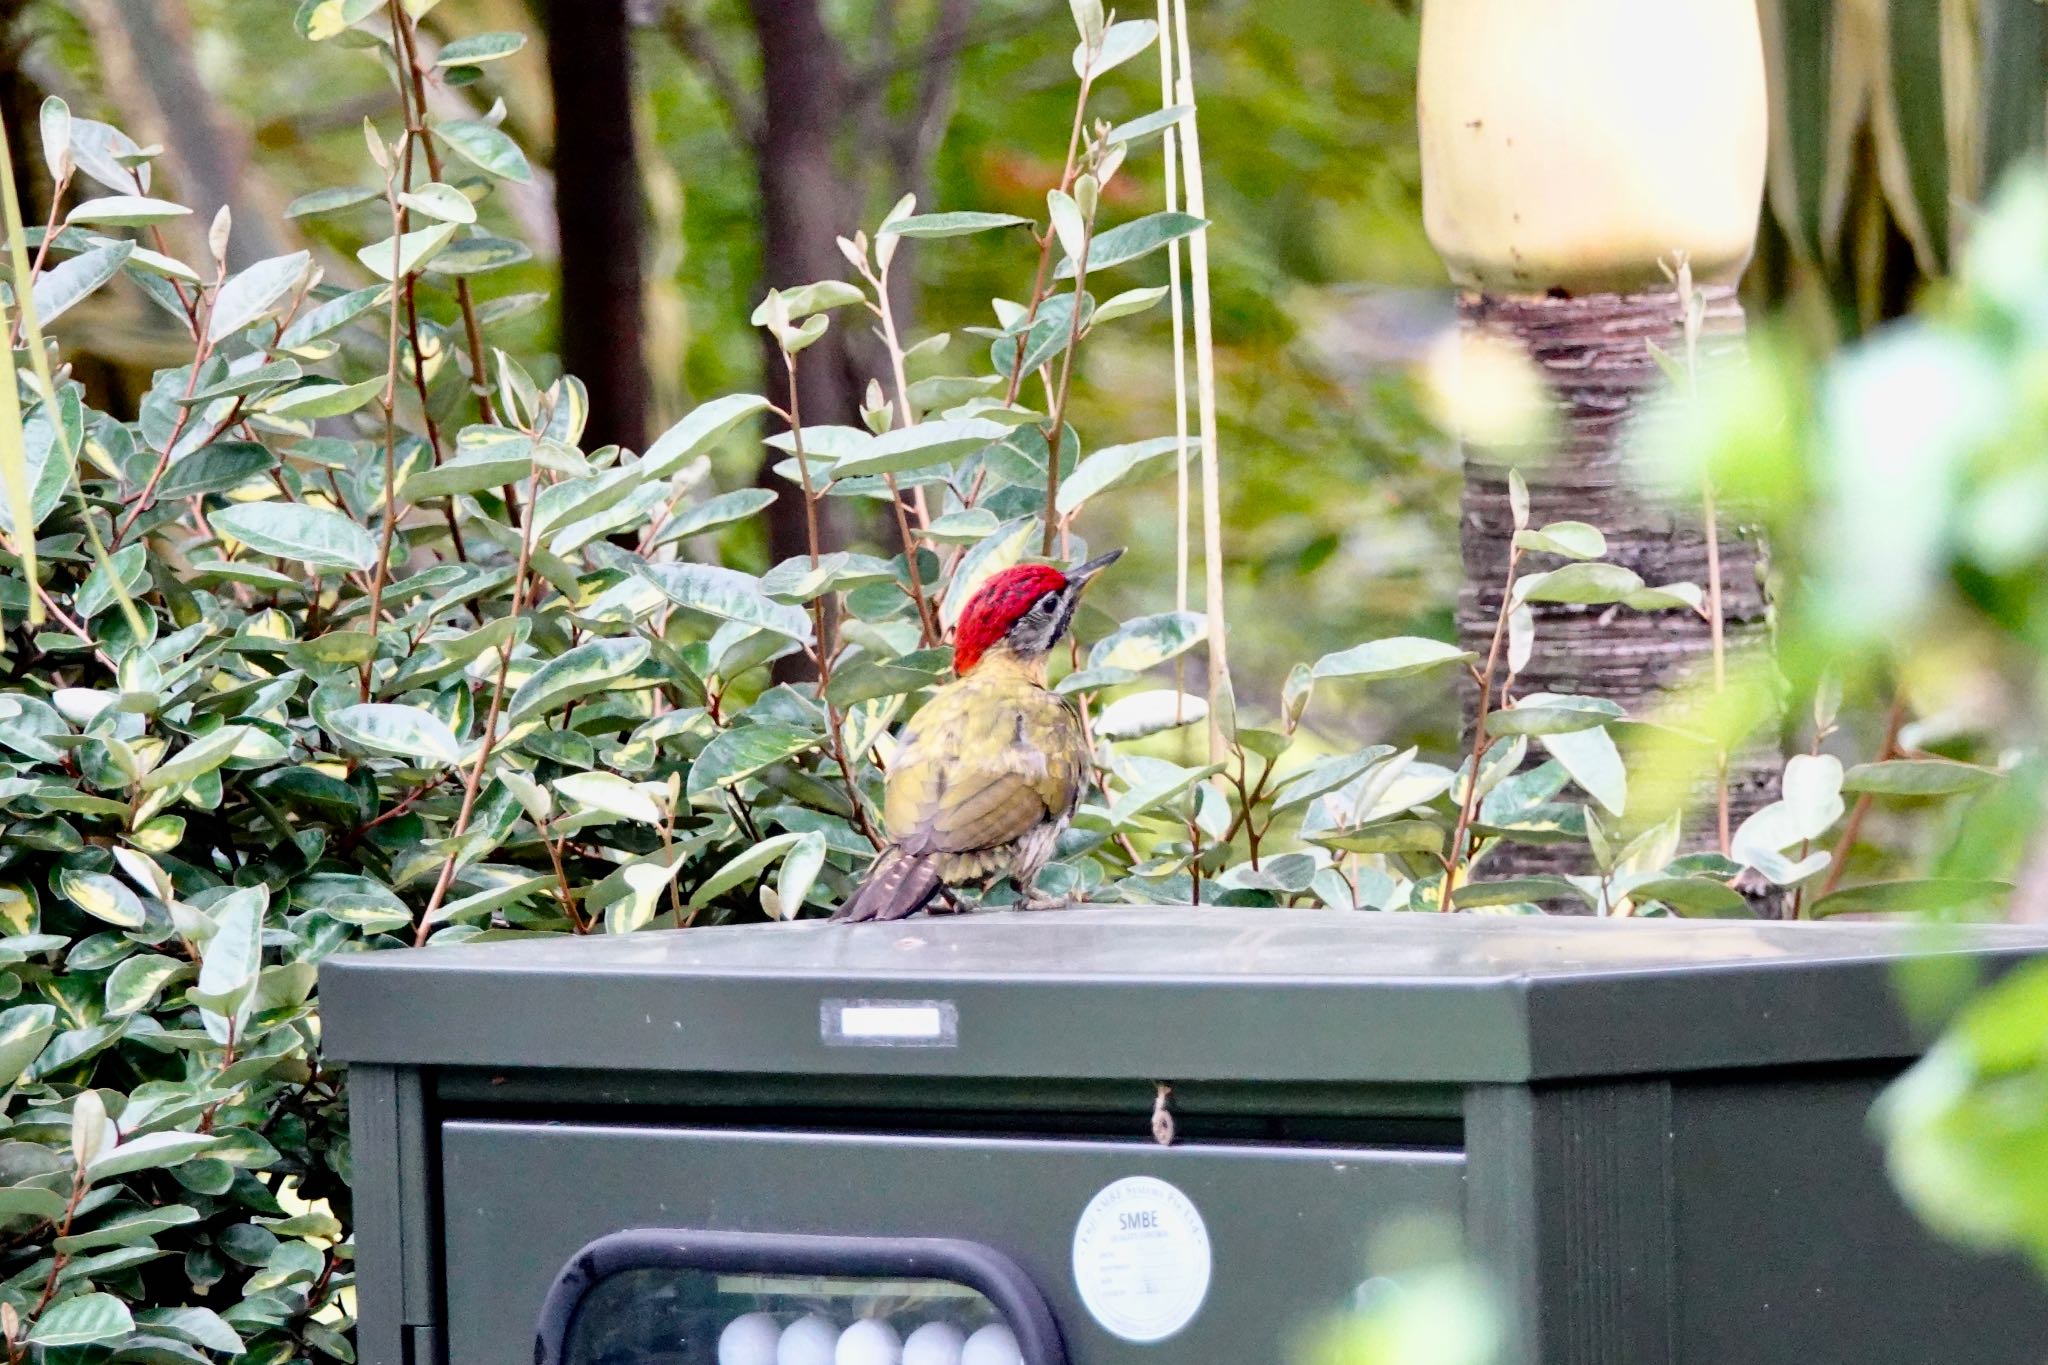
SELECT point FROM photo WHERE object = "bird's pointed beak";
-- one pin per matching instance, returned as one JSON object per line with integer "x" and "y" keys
{"x": 1078, "y": 576}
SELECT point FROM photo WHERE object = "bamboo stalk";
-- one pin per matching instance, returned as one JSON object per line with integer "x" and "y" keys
{"x": 1205, "y": 380}
{"x": 1171, "y": 142}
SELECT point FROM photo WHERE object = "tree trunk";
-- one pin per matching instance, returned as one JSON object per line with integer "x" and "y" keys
{"x": 597, "y": 201}
{"x": 1595, "y": 354}
{"x": 805, "y": 205}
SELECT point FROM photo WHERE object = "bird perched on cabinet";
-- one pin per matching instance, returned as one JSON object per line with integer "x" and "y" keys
{"x": 988, "y": 774}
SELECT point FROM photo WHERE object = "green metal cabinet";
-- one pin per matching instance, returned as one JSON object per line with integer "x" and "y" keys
{"x": 1653, "y": 1134}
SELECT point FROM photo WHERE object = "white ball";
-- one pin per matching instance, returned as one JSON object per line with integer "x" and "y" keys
{"x": 994, "y": 1344}
{"x": 935, "y": 1343}
{"x": 869, "y": 1342}
{"x": 749, "y": 1340}
{"x": 807, "y": 1341}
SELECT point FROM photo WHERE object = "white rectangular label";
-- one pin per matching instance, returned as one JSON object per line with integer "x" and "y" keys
{"x": 892, "y": 1021}
{"x": 889, "y": 1023}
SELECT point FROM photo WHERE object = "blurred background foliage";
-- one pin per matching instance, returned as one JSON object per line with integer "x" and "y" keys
{"x": 1891, "y": 119}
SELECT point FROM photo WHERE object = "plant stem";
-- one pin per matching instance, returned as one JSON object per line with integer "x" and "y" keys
{"x": 1038, "y": 291}
{"x": 1056, "y": 429}
{"x": 474, "y": 780}
{"x": 1469, "y": 807}
{"x": 390, "y": 400}
{"x": 1852, "y": 830}
{"x": 1218, "y": 645}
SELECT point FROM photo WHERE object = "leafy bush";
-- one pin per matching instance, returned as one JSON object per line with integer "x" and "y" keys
{"x": 342, "y": 641}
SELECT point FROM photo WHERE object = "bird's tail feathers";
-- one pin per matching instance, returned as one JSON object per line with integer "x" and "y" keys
{"x": 899, "y": 885}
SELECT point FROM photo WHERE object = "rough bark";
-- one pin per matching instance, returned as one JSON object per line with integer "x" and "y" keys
{"x": 597, "y": 202}
{"x": 1595, "y": 354}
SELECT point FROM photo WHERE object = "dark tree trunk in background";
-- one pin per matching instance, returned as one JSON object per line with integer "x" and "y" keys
{"x": 597, "y": 200}
{"x": 1595, "y": 355}
{"x": 805, "y": 204}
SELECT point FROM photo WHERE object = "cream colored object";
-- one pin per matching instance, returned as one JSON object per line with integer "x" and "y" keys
{"x": 1572, "y": 144}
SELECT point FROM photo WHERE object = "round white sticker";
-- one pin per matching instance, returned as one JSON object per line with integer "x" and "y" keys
{"x": 1141, "y": 1259}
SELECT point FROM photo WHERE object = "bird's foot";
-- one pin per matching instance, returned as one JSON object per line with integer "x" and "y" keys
{"x": 1039, "y": 900}
{"x": 946, "y": 903}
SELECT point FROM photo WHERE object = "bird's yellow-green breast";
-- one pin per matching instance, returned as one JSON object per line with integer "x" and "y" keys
{"x": 992, "y": 761}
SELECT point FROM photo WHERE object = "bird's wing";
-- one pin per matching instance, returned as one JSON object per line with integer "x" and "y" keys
{"x": 981, "y": 768}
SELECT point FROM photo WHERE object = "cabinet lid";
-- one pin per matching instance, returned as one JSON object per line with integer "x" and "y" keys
{"x": 1169, "y": 993}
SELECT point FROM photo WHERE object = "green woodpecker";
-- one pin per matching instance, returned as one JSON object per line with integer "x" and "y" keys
{"x": 988, "y": 774}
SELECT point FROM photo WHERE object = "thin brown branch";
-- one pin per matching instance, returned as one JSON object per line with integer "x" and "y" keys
{"x": 691, "y": 38}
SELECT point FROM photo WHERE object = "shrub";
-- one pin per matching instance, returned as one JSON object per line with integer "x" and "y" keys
{"x": 342, "y": 641}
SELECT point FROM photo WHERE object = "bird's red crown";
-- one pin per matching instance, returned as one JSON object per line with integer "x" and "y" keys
{"x": 995, "y": 607}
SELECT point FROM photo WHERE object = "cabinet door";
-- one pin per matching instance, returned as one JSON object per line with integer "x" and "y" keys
{"x": 1196, "y": 1254}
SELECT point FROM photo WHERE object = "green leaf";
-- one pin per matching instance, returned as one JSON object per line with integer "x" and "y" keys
{"x": 1112, "y": 465}
{"x": 196, "y": 759}
{"x": 361, "y": 901}
{"x": 312, "y": 536}
{"x": 736, "y": 754}
{"x": 479, "y": 255}
{"x": 395, "y": 258}
{"x": 949, "y": 224}
{"x": 492, "y": 900}
{"x": 1571, "y": 539}
{"x": 707, "y": 424}
{"x": 713, "y": 513}
{"x": 729, "y": 595}
{"x": 406, "y": 732}
{"x": 486, "y": 148}
{"x": 217, "y": 468}
{"x": 1149, "y": 713}
{"x": 1594, "y": 763}
{"x": 253, "y": 294}
{"x": 1667, "y": 597}
{"x": 125, "y": 210}
{"x": 201, "y": 1326}
{"x": 129, "y": 1230}
{"x": 1148, "y": 125}
{"x": 327, "y": 318}
{"x": 1513, "y": 891}
{"x": 798, "y": 580}
{"x": 101, "y": 896}
{"x": 330, "y": 200}
{"x": 1150, "y": 783}
{"x": 1918, "y": 777}
{"x": 68, "y": 283}
{"x": 800, "y": 868}
{"x": 136, "y": 981}
{"x": 1541, "y": 713}
{"x": 611, "y": 794}
{"x": 493, "y": 466}
{"x": 83, "y": 1320}
{"x": 1120, "y": 42}
{"x": 1127, "y": 304}
{"x": 921, "y": 446}
{"x": 1133, "y": 240}
{"x": 310, "y": 402}
{"x": 23, "y": 1032}
{"x": 31, "y": 1201}
{"x": 801, "y": 301}
{"x": 1149, "y": 640}
{"x": 150, "y": 1151}
{"x": 479, "y": 48}
{"x": 1397, "y": 836}
{"x": 1379, "y": 660}
{"x": 1579, "y": 584}
{"x": 583, "y": 670}
{"x": 754, "y": 860}
{"x": 1700, "y": 897}
{"x": 228, "y": 968}
{"x": 1921, "y": 896}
